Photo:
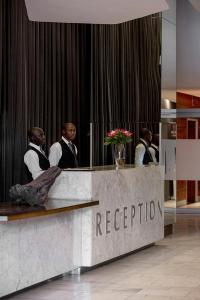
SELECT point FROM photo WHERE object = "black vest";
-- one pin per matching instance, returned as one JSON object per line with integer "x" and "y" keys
{"x": 43, "y": 163}
{"x": 147, "y": 155}
{"x": 156, "y": 153}
{"x": 68, "y": 158}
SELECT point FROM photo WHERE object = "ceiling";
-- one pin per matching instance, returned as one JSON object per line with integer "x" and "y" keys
{"x": 92, "y": 11}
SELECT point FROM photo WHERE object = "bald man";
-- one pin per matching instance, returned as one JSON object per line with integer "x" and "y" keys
{"x": 64, "y": 153}
{"x": 35, "y": 159}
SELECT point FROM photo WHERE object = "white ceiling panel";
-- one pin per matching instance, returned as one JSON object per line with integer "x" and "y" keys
{"x": 92, "y": 11}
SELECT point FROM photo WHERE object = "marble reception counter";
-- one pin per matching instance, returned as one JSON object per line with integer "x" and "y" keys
{"x": 38, "y": 243}
{"x": 129, "y": 216}
{"x": 130, "y": 211}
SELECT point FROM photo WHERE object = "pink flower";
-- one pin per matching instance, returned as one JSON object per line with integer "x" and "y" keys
{"x": 118, "y": 136}
{"x": 126, "y": 132}
{"x": 112, "y": 133}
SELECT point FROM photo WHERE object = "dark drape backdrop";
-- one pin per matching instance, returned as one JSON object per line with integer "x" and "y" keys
{"x": 51, "y": 73}
{"x": 125, "y": 81}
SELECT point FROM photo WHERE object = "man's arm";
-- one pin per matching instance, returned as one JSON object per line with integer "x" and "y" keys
{"x": 55, "y": 154}
{"x": 139, "y": 155}
{"x": 31, "y": 159}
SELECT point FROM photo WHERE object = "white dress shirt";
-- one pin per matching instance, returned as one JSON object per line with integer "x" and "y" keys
{"x": 139, "y": 153}
{"x": 56, "y": 152}
{"x": 31, "y": 160}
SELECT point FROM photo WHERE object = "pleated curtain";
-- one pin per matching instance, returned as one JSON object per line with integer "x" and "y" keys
{"x": 51, "y": 73}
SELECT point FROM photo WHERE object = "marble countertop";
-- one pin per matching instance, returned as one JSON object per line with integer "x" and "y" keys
{"x": 11, "y": 211}
{"x": 104, "y": 168}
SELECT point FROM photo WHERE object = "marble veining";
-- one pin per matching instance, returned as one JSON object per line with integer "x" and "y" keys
{"x": 72, "y": 185}
{"x": 129, "y": 216}
{"x": 167, "y": 271}
{"x": 38, "y": 249}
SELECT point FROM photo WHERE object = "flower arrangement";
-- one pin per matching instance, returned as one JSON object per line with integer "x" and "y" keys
{"x": 118, "y": 136}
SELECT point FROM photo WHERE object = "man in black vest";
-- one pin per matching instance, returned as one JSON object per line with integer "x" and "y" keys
{"x": 64, "y": 153}
{"x": 35, "y": 159}
{"x": 142, "y": 153}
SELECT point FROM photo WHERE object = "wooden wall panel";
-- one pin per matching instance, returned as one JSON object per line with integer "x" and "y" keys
{"x": 198, "y": 188}
{"x": 196, "y": 102}
{"x": 187, "y": 101}
{"x": 181, "y": 193}
{"x": 183, "y": 100}
{"x": 181, "y": 128}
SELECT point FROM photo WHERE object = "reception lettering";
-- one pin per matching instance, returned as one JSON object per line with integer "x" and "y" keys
{"x": 123, "y": 218}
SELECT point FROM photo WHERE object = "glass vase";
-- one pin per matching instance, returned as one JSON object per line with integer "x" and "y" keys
{"x": 119, "y": 155}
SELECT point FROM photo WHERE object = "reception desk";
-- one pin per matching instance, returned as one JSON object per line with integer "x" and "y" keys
{"x": 130, "y": 211}
{"x": 123, "y": 211}
{"x": 39, "y": 243}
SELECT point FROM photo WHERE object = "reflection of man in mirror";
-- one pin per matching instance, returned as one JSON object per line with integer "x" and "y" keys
{"x": 142, "y": 153}
{"x": 64, "y": 153}
{"x": 154, "y": 148}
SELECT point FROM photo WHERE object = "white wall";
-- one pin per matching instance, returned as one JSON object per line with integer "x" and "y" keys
{"x": 188, "y": 45}
{"x": 188, "y": 159}
{"x": 169, "y": 51}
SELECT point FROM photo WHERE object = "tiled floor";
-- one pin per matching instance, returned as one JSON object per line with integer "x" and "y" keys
{"x": 169, "y": 270}
{"x": 170, "y": 203}
{"x": 192, "y": 205}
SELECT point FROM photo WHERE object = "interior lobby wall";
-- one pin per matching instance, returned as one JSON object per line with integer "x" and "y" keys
{"x": 169, "y": 52}
{"x": 188, "y": 45}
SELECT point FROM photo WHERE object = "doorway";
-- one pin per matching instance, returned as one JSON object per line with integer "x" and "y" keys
{"x": 192, "y": 129}
{"x": 192, "y": 186}
{"x": 192, "y": 193}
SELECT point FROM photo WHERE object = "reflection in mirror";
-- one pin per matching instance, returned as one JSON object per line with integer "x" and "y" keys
{"x": 100, "y": 154}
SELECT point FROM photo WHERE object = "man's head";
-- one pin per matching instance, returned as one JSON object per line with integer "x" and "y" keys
{"x": 36, "y": 136}
{"x": 69, "y": 131}
{"x": 146, "y": 135}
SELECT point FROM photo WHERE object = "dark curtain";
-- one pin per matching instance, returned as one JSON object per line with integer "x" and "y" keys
{"x": 42, "y": 83}
{"x": 125, "y": 81}
{"x": 51, "y": 73}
